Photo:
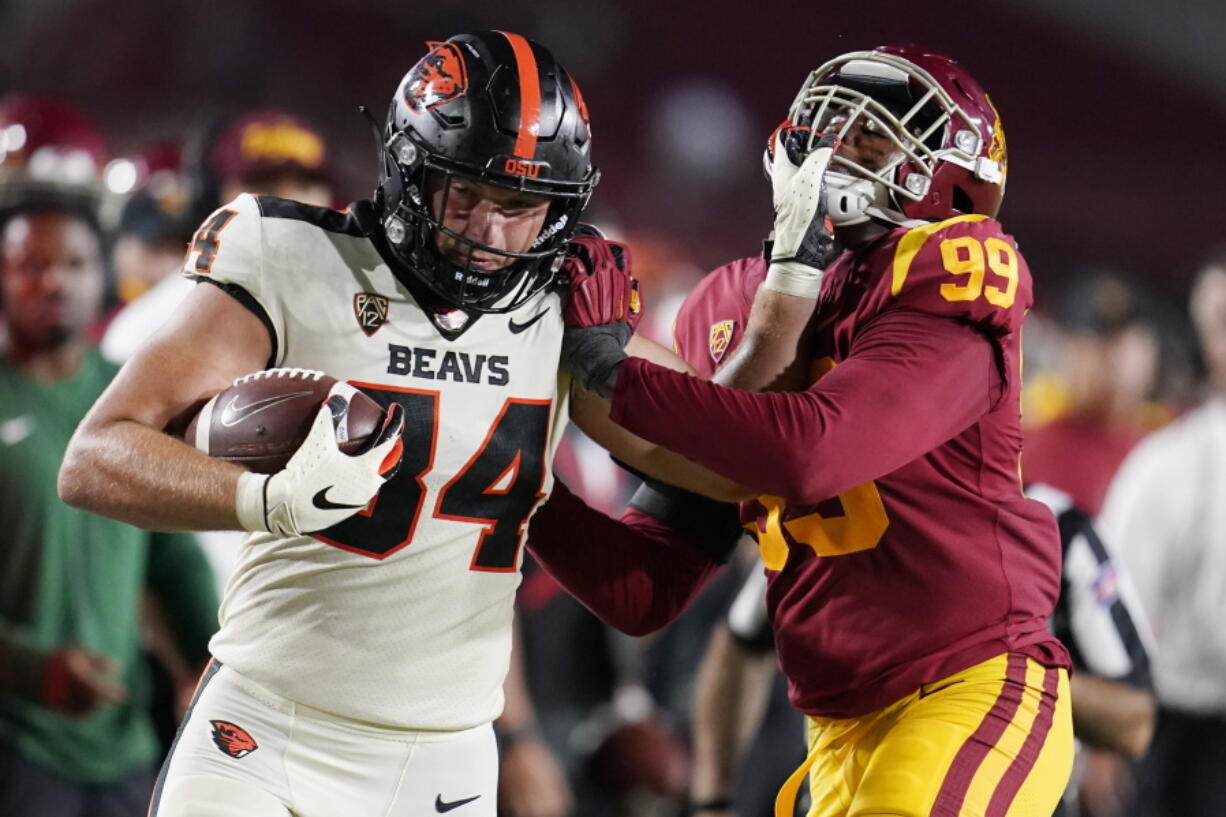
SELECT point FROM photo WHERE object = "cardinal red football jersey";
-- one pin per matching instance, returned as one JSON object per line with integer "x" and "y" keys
{"x": 925, "y": 558}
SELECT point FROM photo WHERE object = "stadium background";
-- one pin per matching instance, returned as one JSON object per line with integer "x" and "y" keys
{"x": 1109, "y": 108}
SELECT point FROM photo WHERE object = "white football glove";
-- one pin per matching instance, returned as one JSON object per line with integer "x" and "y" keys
{"x": 804, "y": 237}
{"x": 321, "y": 485}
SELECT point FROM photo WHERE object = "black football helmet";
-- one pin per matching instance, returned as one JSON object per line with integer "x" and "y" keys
{"x": 499, "y": 109}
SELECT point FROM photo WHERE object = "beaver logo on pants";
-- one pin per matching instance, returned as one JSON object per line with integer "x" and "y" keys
{"x": 233, "y": 739}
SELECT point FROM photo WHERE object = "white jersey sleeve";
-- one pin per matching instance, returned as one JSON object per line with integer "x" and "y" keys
{"x": 228, "y": 250}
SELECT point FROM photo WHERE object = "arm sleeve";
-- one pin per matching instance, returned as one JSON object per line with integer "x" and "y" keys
{"x": 180, "y": 577}
{"x": 1143, "y": 517}
{"x": 911, "y": 382}
{"x": 748, "y": 620}
{"x": 635, "y": 574}
{"x": 1106, "y": 631}
{"x": 227, "y": 251}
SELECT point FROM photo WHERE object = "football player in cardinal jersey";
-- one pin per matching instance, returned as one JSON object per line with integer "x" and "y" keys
{"x": 910, "y": 581}
{"x": 366, "y": 630}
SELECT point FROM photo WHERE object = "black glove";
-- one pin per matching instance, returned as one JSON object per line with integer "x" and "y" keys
{"x": 592, "y": 354}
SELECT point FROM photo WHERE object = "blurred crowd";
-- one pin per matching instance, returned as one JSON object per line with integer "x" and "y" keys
{"x": 104, "y": 628}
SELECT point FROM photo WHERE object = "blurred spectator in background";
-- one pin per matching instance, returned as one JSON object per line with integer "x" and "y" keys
{"x": 1105, "y": 366}
{"x": 272, "y": 153}
{"x": 153, "y": 226}
{"x": 76, "y": 735}
{"x": 268, "y": 152}
{"x": 1166, "y": 509}
{"x": 42, "y": 142}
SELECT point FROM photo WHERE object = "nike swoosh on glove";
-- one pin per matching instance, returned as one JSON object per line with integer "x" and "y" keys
{"x": 321, "y": 485}
{"x": 804, "y": 236}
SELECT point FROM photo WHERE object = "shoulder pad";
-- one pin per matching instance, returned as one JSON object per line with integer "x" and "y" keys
{"x": 712, "y": 320}
{"x": 966, "y": 267}
{"x": 227, "y": 246}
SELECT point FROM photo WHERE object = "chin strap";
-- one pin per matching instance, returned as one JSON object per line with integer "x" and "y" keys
{"x": 851, "y": 201}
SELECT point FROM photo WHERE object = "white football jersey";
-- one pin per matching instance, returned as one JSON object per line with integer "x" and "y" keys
{"x": 401, "y": 615}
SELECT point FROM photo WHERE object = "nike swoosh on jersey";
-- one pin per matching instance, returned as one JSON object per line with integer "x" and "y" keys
{"x": 321, "y": 501}
{"x": 516, "y": 328}
{"x": 231, "y": 416}
{"x": 441, "y": 806}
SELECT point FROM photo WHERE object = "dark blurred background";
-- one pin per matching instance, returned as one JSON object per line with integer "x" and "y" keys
{"x": 1109, "y": 107}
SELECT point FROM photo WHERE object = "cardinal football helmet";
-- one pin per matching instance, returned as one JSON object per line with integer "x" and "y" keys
{"x": 949, "y": 146}
{"x": 51, "y": 155}
{"x": 499, "y": 109}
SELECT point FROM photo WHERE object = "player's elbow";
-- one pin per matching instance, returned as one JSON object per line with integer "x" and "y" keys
{"x": 1135, "y": 742}
{"x": 77, "y": 475}
{"x": 71, "y": 482}
{"x": 800, "y": 481}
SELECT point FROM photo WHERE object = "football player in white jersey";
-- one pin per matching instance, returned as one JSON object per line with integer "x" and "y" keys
{"x": 361, "y": 655}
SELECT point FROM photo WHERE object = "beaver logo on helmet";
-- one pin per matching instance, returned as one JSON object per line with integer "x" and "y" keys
{"x": 438, "y": 78}
{"x": 233, "y": 739}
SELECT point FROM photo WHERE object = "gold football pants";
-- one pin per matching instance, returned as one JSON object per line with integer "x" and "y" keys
{"x": 995, "y": 740}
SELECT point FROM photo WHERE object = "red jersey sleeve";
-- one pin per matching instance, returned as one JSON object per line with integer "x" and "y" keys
{"x": 635, "y": 574}
{"x": 911, "y": 382}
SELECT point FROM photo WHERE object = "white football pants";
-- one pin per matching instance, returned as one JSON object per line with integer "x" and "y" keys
{"x": 243, "y": 751}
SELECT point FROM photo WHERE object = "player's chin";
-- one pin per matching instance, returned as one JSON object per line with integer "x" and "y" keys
{"x": 478, "y": 265}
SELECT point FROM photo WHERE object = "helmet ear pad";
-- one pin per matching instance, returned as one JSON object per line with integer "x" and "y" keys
{"x": 497, "y": 109}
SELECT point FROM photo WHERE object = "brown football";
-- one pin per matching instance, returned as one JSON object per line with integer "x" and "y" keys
{"x": 260, "y": 421}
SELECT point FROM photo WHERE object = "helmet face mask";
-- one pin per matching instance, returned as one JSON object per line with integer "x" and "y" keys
{"x": 946, "y": 147}
{"x": 498, "y": 112}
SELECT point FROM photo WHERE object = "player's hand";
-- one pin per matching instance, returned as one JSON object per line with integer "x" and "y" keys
{"x": 600, "y": 286}
{"x": 77, "y": 680}
{"x": 321, "y": 485}
{"x": 602, "y": 308}
{"x": 804, "y": 236}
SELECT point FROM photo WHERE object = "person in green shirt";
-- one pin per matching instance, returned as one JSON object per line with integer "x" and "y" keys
{"x": 76, "y": 733}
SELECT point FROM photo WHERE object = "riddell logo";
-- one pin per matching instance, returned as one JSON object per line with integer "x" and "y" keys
{"x": 521, "y": 168}
{"x": 233, "y": 739}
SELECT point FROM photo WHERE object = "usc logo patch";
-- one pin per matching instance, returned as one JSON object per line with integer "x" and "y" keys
{"x": 438, "y": 78}
{"x": 233, "y": 739}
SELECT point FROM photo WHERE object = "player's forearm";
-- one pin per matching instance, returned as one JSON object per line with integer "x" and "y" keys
{"x": 635, "y": 574}
{"x": 774, "y": 352}
{"x": 590, "y": 412}
{"x": 729, "y": 700}
{"x": 128, "y": 471}
{"x": 1111, "y": 715}
{"x": 915, "y": 383}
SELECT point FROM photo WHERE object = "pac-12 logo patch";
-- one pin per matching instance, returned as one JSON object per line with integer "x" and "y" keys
{"x": 438, "y": 78}
{"x": 371, "y": 311}
{"x": 233, "y": 739}
{"x": 721, "y": 336}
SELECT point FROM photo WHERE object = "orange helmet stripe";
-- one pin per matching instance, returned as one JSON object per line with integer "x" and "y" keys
{"x": 529, "y": 96}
